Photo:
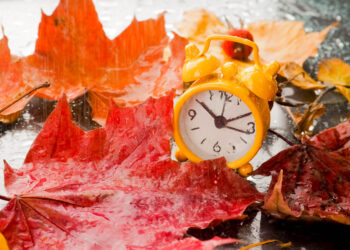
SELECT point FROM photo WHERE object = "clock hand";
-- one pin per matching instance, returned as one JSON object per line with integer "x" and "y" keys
{"x": 207, "y": 108}
{"x": 238, "y": 117}
{"x": 239, "y": 130}
{"x": 223, "y": 108}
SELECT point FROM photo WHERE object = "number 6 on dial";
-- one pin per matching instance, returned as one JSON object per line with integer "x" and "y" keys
{"x": 223, "y": 114}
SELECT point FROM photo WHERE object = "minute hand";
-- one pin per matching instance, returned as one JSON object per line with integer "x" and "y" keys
{"x": 238, "y": 117}
{"x": 206, "y": 108}
{"x": 238, "y": 130}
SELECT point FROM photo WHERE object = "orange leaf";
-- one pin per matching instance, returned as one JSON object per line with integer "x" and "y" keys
{"x": 286, "y": 41}
{"x": 336, "y": 72}
{"x": 11, "y": 84}
{"x": 276, "y": 203}
{"x": 198, "y": 24}
{"x": 74, "y": 54}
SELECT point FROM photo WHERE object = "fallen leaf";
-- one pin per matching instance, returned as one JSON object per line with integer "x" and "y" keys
{"x": 318, "y": 178}
{"x": 198, "y": 24}
{"x": 337, "y": 73}
{"x": 11, "y": 84}
{"x": 116, "y": 187}
{"x": 296, "y": 75}
{"x": 74, "y": 54}
{"x": 305, "y": 121}
{"x": 286, "y": 41}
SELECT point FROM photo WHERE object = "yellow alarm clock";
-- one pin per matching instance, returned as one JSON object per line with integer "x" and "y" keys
{"x": 223, "y": 113}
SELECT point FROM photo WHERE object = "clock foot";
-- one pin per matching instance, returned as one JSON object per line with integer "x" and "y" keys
{"x": 179, "y": 155}
{"x": 245, "y": 170}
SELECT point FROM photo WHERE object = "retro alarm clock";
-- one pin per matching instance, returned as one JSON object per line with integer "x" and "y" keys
{"x": 224, "y": 113}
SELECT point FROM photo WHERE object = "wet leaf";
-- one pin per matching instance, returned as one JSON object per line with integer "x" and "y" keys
{"x": 337, "y": 73}
{"x": 304, "y": 121}
{"x": 311, "y": 180}
{"x": 74, "y": 54}
{"x": 296, "y": 75}
{"x": 11, "y": 84}
{"x": 286, "y": 41}
{"x": 116, "y": 187}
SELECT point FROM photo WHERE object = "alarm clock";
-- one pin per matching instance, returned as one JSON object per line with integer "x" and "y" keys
{"x": 223, "y": 113}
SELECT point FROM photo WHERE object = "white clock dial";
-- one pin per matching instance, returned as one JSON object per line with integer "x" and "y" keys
{"x": 216, "y": 123}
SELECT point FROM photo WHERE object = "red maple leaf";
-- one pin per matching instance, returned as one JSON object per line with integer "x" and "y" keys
{"x": 74, "y": 54}
{"x": 116, "y": 186}
{"x": 318, "y": 178}
{"x": 11, "y": 84}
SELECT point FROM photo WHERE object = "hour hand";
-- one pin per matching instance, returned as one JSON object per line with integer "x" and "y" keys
{"x": 206, "y": 108}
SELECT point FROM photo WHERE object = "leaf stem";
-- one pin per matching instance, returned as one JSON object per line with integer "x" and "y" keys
{"x": 4, "y": 198}
{"x": 281, "y": 137}
{"x": 322, "y": 94}
{"x": 44, "y": 85}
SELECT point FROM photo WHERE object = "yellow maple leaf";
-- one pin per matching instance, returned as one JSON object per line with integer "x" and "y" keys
{"x": 336, "y": 72}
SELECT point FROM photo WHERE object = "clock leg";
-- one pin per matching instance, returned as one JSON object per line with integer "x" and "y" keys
{"x": 245, "y": 170}
{"x": 180, "y": 156}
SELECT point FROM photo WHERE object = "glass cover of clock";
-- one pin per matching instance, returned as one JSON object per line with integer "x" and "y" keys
{"x": 216, "y": 123}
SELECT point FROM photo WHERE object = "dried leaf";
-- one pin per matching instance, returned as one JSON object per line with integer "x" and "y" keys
{"x": 116, "y": 187}
{"x": 198, "y": 24}
{"x": 296, "y": 75}
{"x": 303, "y": 122}
{"x": 318, "y": 174}
{"x": 286, "y": 41}
{"x": 337, "y": 73}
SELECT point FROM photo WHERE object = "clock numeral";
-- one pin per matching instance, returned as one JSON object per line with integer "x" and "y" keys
{"x": 226, "y": 95}
{"x": 216, "y": 147}
{"x": 192, "y": 113}
{"x": 251, "y": 129}
{"x": 211, "y": 95}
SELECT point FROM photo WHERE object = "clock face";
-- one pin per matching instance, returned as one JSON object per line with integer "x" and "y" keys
{"x": 216, "y": 123}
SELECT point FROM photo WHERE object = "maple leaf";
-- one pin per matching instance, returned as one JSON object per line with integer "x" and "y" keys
{"x": 286, "y": 41}
{"x": 116, "y": 186}
{"x": 318, "y": 174}
{"x": 74, "y": 54}
{"x": 337, "y": 73}
{"x": 198, "y": 24}
{"x": 11, "y": 84}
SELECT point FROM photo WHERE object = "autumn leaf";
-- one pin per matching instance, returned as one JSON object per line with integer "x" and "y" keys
{"x": 304, "y": 121}
{"x": 311, "y": 180}
{"x": 116, "y": 186}
{"x": 11, "y": 84}
{"x": 286, "y": 41}
{"x": 198, "y": 24}
{"x": 337, "y": 73}
{"x": 74, "y": 54}
{"x": 296, "y": 75}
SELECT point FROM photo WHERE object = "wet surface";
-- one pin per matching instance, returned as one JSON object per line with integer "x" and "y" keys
{"x": 20, "y": 19}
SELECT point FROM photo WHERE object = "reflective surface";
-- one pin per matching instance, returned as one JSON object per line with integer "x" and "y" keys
{"x": 20, "y": 19}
